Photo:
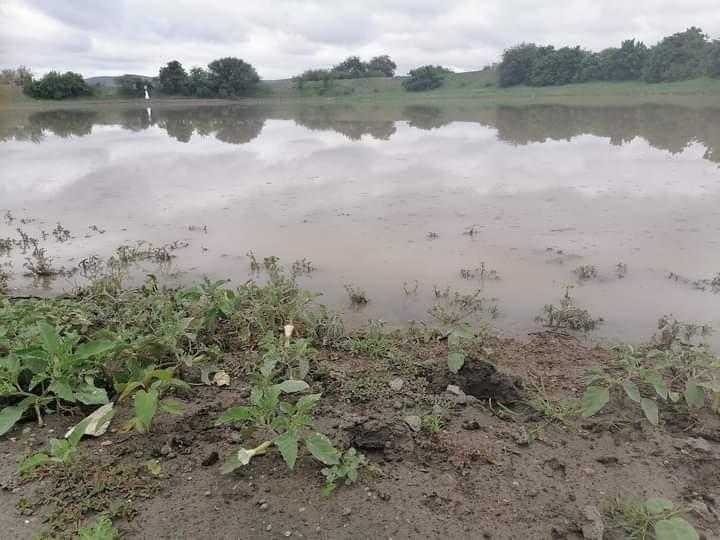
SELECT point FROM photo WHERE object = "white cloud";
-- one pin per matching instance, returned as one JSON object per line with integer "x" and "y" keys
{"x": 283, "y": 37}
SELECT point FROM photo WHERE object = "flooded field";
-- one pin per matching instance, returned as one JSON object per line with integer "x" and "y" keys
{"x": 401, "y": 202}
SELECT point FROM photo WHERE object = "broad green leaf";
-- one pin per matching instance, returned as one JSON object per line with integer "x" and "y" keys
{"x": 658, "y": 383}
{"x": 78, "y": 431}
{"x": 59, "y": 449}
{"x": 631, "y": 390}
{"x": 236, "y": 414}
{"x": 146, "y": 403}
{"x": 287, "y": 443}
{"x": 231, "y": 463}
{"x": 33, "y": 461}
{"x": 462, "y": 330}
{"x": 456, "y": 360}
{"x": 91, "y": 395}
{"x": 154, "y": 468}
{"x": 658, "y": 505}
{"x": 675, "y": 528}
{"x": 268, "y": 366}
{"x": 171, "y": 406}
{"x": 322, "y": 449}
{"x": 127, "y": 389}
{"x": 49, "y": 337}
{"x": 286, "y": 407}
{"x": 291, "y": 386}
{"x": 713, "y": 386}
{"x": 306, "y": 403}
{"x": 594, "y": 399}
{"x": 650, "y": 409}
{"x": 694, "y": 394}
{"x": 9, "y": 417}
{"x": 93, "y": 348}
{"x": 62, "y": 390}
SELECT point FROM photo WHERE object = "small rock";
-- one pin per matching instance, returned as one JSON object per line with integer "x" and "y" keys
{"x": 397, "y": 405}
{"x": 454, "y": 390}
{"x": 346, "y": 511}
{"x": 208, "y": 493}
{"x": 165, "y": 450}
{"x": 236, "y": 437}
{"x": 699, "y": 444}
{"x": 288, "y": 533}
{"x": 471, "y": 425}
{"x": 413, "y": 422}
{"x": 520, "y": 436}
{"x": 211, "y": 459}
{"x": 106, "y": 443}
{"x": 264, "y": 506}
{"x": 396, "y": 384}
{"x": 593, "y": 529}
{"x": 268, "y": 528}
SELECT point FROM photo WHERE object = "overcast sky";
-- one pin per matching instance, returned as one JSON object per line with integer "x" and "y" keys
{"x": 283, "y": 37}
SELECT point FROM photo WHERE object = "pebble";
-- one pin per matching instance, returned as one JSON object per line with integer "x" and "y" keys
{"x": 396, "y": 384}
{"x": 165, "y": 450}
{"x": 413, "y": 422}
{"x": 288, "y": 533}
{"x": 264, "y": 506}
{"x": 268, "y": 528}
{"x": 455, "y": 390}
{"x": 346, "y": 511}
{"x": 397, "y": 405}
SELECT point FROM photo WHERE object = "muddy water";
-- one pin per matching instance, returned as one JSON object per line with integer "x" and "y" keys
{"x": 357, "y": 190}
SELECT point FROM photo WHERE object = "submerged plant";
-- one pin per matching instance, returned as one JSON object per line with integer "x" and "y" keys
{"x": 567, "y": 315}
{"x": 358, "y": 297}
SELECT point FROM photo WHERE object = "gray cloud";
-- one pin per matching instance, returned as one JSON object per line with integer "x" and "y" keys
{"x": 283, "y": 37}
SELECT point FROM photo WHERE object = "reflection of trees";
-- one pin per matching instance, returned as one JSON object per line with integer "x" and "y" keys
{"x": 669, "y": 128}
{"x": 425, "y": 116}
{"x": 666, "y": 127}
{"x": 346, "y": 120}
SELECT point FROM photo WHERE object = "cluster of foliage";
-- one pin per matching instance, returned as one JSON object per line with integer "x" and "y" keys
{"x": 17, "y": 76}
{"x": 350, "y": 68}
{"x": 656, "y": 517}
{"x": 681, "y": 56}
{"x": 228, "y": 77}
{"x": 57, "y": 85}
{"x": 425, "y": 78}
{"x": 683, "y": 373}
{"x": 113, "y": 343}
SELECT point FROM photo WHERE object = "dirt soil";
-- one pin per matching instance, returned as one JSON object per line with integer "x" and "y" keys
{"x": 486, "y": 471}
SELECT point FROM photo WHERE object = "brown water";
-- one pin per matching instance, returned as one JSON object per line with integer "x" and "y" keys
{"x": 357, "y": 190}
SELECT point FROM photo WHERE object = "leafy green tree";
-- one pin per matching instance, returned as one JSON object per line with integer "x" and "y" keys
{"x": 174, "y": 79}
{"x": 590, "y": 69}
{"x": 350, "y": 68}
{"x": 232, "y": 77}
{"x": 625, "y": 63}
{"x": 425, "y": 78}
{"x": 199, "y": 84}
{"x": 382, "y": 64}
{"x": 56, "y": 85}
{"x": 678, "y": 57}
{"x": 558, "y": 67}
{"x": 132, "y": 85}
{"x": 516, "y": 64}
{"x": 713, "y": 59}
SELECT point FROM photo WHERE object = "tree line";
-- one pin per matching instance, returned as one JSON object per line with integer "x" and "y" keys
{"x": 681, "y": 56}
{"x": 227, "y": 77}
{"x": 350, "y": 68}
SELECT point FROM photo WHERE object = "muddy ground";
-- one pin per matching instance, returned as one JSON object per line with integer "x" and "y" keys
{"x": 487, "y": 472}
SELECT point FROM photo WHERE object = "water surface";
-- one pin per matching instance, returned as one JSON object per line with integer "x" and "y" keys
{"x": 357, "y": 190}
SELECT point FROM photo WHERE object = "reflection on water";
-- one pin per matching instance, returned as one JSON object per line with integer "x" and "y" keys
{"x": 357, "y": 189}
{"x": 669, "y": 128}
